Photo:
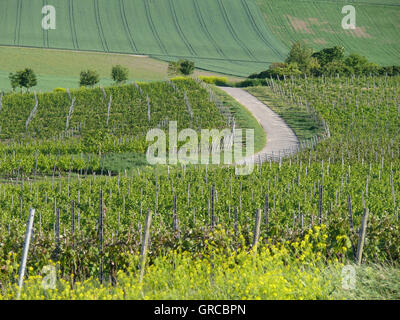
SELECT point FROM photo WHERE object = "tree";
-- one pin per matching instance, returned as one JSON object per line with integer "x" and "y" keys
{"x": 302, "y": 55}
{"x": 173, "y": 68}
{"x": 181, "y": 67}
{"x": 328, "y": 55}
{"x": 14, "y": 79}
{"x": 336, "y": 67}
{"x": 186, "y": 67}
{"x": 28, "y": 79}
{"x": 23, "y": 79}
{"x": 89, "y": 78}
{"x": 119, "y": 74}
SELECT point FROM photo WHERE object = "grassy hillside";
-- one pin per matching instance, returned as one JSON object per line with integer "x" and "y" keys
{"x": 236, "y": 37}
{"x": 61, "y": 68}
{"x": 319, "y": 23}
{"x": 225, "y": 35}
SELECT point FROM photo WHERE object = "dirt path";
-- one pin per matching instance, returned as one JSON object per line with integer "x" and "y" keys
{"x": 281, "y": 139}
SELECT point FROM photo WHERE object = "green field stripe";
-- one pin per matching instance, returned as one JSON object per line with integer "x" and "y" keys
{"x": 7, "y": 21}
{"x": 18, "y": 23}
{"x": 382, "y": 34}
{"x": 232, "y": 31}
{"x": 179, "y": 29}
{"x": 126, "y": 26}
{"x": 72, "y": 24}
{"x": 205, "y": 29}
{"x": 153, "y": 28}
{"x": 338, "y": 37}
{"x": 45, "y": 32}
{"x": 383, "y": 3}
{"x": 257, "y": 29}
{"x": 99, "y": 26}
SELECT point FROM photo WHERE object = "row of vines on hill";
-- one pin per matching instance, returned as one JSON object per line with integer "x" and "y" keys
{"x": 357, "y": 167}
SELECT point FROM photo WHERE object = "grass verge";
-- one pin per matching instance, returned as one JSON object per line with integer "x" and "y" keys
{"x": 297, "y": 118}
{"x": 61, "y": 68}
{"x": 244, "y": 118}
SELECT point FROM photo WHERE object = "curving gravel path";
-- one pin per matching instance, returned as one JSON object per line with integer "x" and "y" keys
{"x": 281, "y": 139}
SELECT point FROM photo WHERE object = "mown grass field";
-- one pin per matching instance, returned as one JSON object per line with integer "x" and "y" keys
{"x": 61, "y": 68}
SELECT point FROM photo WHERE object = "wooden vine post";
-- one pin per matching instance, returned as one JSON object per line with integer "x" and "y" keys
{"x": 256, "y": 233}
{"x": 145, "y": 244}
{"x": 212, "y": 217}
{"x": 24, "y": 257}
{"x": 101, "y": 235}
{"x": 266, "y": 211}
{"x": 320, "y": 205}
{"x": 361, "y": 240}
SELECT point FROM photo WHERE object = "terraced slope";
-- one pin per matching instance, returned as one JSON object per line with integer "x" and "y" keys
{"x": 319, "y": 23}
{"x": 221, "y": 35}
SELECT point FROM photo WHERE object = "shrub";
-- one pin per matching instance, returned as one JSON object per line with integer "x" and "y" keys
{"x": 186, "y": 67}
{"x": 336, "y": 67}
{"x": 60, "y": 90}
{"x": 119, "y": 74}
{"x": 14, "y": 80}
{"x": 89, "y": 78}
{"x": 218, "y": 81}
{"x": 389, "y": 71}
{"x": 360, "y": 65}
{"x": 251, "y": 83}
{"x": 179, "y": 78}
{"x": 302, "y": 56}
{"x": 329, "y": 55}
{"x": 181, "y": 67}
{"x": 173, "y": 68}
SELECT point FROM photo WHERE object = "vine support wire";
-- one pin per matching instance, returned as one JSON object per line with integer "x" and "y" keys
{"x": 22, "y": 267}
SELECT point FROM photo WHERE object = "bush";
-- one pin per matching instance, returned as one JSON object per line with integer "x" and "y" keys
{"x": 89, "y": 78}
{"x": 60, "y": 90}
{"x": 181, "y": 67}
{"x": 179, "y": 78}
{"x": 186, "y": 67}
{"x": 336, "y": 68}
{"x": 328, "y": 55}
{"x": 218, "y": 81}
{"x": 251, "y": 83}
{"x": 278, "y": 70}
{"x": 389, "y": 71}
{"x": 119, "y": 74}
{"x": 302, "y": 55}
{"x": 329, "y": 61}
